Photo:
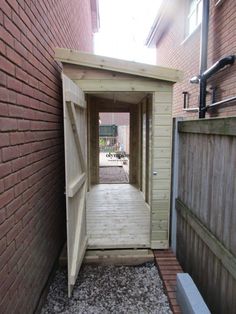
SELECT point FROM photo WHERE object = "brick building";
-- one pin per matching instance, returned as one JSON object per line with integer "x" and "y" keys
{"x": 176, "y": 36}
{"x": 32, "y": 213}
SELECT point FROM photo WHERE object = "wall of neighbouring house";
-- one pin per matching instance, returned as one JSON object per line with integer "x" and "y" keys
{"x": 32, "y": 211}
{"x": 174, "y": 50}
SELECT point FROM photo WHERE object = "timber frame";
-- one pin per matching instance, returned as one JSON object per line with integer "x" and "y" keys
{"x": 99, "y": 76}
{"x": 105, "y": 63}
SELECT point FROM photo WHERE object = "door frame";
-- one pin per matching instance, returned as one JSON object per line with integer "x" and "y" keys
{"x": 94, "y": 107}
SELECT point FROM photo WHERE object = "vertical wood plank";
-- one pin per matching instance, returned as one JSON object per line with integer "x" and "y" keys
{"x": 161, "y": 133}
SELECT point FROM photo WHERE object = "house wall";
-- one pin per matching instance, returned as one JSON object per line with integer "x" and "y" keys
{"x": 174, "y": 50}
{"x": 32, "y": 210}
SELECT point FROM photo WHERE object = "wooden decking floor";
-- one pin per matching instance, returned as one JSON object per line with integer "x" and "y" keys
{"x": 117, "y": 217}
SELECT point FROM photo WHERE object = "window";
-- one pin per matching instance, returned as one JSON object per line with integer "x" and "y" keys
{"x": 195, "y": 15}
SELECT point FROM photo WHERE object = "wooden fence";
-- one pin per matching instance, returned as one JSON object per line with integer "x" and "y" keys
{"x": 206, "y": 208}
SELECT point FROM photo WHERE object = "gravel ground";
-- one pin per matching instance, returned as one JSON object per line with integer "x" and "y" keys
{"x": 109, "y": 289}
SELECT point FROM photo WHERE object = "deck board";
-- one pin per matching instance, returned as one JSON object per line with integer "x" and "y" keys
{"x": 117, "y": 217}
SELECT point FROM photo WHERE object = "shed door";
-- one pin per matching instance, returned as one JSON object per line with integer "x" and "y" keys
{"x": 75, "y": 137}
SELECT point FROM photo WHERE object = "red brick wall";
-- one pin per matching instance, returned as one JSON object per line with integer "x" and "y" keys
{"x": 173, "y": 50}
{"x": 32, "y": 210}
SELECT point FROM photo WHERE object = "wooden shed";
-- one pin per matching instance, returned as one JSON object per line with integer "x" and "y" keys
{"x": 116, "y": 216}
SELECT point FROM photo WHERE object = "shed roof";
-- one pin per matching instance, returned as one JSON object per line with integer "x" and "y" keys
{"x": 116, "y": 65}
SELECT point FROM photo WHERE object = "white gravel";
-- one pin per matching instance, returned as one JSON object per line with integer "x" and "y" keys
{"x": 109, "y": 289}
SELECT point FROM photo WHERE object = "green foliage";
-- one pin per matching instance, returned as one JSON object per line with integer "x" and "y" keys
{"x": 102, "y": 141}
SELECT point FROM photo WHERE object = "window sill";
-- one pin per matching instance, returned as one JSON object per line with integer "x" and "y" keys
{"x": 191, "y": 109}
{"x": 191, "y": 35}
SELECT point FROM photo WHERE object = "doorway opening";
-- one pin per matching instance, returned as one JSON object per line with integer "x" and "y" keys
{"x": 114, "y": 147}
{"x": 118, "y": 214}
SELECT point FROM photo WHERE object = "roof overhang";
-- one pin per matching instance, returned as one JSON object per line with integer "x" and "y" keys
{"x": 116, "y": 65}
{"x": 160, "y": 23}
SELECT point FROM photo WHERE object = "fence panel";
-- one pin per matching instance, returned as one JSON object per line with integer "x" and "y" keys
{"x": 206, "y": 207}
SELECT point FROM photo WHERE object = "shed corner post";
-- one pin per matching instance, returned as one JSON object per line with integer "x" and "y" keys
{"x": 161, "y": 166}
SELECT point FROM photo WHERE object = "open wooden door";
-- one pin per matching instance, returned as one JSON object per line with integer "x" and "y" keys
{"x": 75, "y": 137}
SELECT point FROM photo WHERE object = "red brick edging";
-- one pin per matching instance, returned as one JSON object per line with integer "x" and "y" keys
{"x": 168, "y": 267}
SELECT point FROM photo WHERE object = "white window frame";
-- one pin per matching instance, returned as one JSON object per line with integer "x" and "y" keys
{"x": 195, "y": 10}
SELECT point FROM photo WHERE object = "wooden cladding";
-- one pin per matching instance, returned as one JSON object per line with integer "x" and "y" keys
{"x": 161, "y": 130}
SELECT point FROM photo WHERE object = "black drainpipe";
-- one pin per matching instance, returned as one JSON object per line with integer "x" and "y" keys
{"x": 203, "y": 58}
{"x": 229, "y": 60}
{"x": 205, "y": 73}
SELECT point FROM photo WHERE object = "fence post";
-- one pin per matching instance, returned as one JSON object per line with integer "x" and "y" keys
{"x": 174, "y": 182}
